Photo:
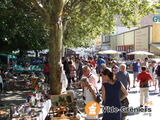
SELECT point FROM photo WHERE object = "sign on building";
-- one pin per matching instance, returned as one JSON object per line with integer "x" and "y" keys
{"x": 156, "y": 18}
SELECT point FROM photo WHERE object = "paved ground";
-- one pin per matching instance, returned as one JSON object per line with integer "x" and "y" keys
{"x": 19, "y": 97}
{"x": 13, "y": 97}
{"x": 134, "y": 97}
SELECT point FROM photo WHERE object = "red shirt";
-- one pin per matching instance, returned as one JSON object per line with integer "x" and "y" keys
{"x": 144, "y": 77}
{"x": 93, "y": 63}
{"x": 46, "y": 68}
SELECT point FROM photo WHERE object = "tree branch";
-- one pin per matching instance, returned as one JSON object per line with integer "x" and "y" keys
{"x": 65, "y": 25}
{"x": 20, "y": 4}
{"x": 42, "y": 11}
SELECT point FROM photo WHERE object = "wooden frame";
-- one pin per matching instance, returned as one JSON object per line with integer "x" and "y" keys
{"x": 64, "y": 118}
{"x": 61, "y": 100}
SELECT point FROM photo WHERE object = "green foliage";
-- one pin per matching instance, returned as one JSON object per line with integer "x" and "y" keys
{"x": 83, "y": 20}
{"x": 89, "y": 18}
{"x": 20, "y": 28}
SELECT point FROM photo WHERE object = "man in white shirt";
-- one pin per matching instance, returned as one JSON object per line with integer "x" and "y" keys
{"x": 93, "y": 79}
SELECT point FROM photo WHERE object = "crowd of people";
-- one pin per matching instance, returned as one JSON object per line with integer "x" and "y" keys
{"x": 114, "y": 80}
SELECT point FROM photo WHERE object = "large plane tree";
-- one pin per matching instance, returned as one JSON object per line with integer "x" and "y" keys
{"x": 76, "y": 22}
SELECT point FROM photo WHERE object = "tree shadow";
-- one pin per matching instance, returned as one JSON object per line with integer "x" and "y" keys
{"x": 8, "y": 103}
{"x": 151, "y": 90}
{"x": 151, "y": 94}
{"x": 158, "y": 95}
{"x": 13, "y": 98}
{"x": 133, "y": 92}
{"x": 13, "y": 93}
{"x": 135, "y": 112}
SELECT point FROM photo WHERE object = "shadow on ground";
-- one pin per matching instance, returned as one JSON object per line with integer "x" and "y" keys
{"x": 135, "y": 112}
{"x": 133, "y": 92}
{"x": 153, "y": 93}
{"x": 13, "y": 98}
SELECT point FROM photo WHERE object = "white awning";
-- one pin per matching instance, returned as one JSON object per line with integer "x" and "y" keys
{"x": 156, "y": 45}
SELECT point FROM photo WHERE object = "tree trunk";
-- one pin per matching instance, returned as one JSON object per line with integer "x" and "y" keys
{"x": 36, "y": 53}
{"x": 54, "y": 59}
{"x": 55, "y": 47}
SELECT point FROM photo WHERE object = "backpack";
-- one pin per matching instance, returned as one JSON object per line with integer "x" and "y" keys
{"x": 158, "y": 70}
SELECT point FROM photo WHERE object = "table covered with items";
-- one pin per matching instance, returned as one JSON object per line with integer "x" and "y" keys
{"x": 40, "y": 105}
{"x": 27, "y": 112}
{"x": 63, "y": 107}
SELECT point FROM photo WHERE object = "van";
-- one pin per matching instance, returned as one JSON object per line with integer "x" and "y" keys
{"x": 7, "y": 61}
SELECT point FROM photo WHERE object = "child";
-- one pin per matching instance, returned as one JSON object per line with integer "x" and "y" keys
{"x": 144, "y": 78}
{"x": 89, "y": 93}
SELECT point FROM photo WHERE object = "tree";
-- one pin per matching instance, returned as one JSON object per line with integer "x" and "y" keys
{"x": 20, "y": 29}
{"x": 87, "y": 19}
{"x": 82, "y": 20}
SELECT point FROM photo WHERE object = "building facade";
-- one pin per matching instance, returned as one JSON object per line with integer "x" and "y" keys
{"x": 146, "y": 38}
{"x": 105, "y": 42}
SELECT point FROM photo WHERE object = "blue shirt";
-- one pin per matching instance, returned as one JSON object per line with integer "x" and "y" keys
{"x": 100, "y": 62}
{"x": 136, "y": 67}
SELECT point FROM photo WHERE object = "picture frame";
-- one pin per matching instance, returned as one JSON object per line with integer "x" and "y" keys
{"x": 61, "y": 100}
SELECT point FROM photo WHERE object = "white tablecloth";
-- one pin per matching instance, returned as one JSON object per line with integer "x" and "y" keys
{"x": 45, "y": 110}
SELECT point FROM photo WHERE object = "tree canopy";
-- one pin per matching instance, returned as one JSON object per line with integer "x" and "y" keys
{"x": 82, "y": 20}
{"x": 88, "y": 18}
{"x": 20, "y": 28}
{"x": 75, "y": 22}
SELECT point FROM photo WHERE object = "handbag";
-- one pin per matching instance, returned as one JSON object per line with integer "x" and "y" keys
{"x": 98, "y": 96}
{"x": 125, "y": 102}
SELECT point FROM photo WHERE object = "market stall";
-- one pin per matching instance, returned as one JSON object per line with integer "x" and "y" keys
{"x": 40, "y": 105}
{"x": 63, "y": 107}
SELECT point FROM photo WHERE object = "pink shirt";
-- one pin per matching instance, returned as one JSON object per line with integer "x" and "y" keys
{"x": 93, "y": 80}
